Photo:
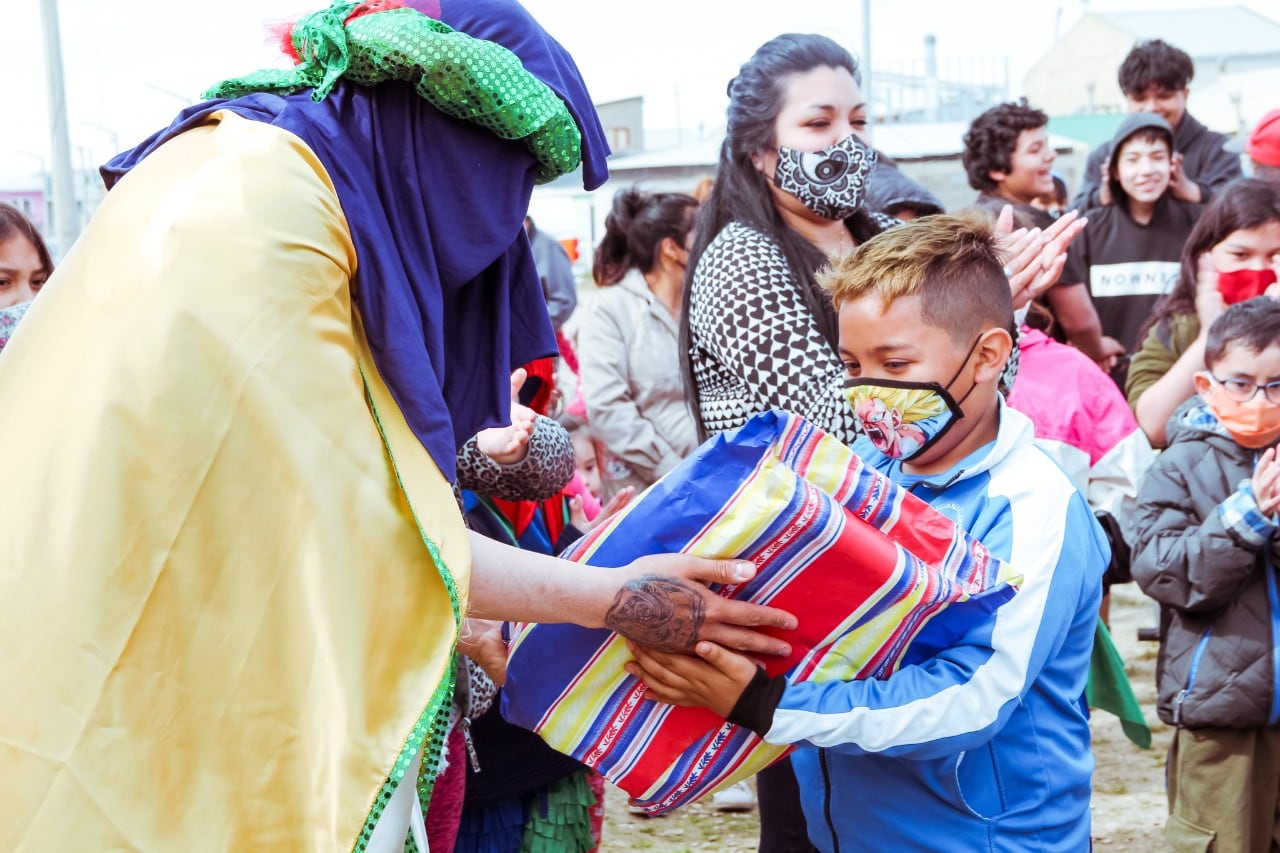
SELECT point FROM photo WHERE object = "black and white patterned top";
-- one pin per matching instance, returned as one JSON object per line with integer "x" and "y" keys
{"x": 754, "y": 342}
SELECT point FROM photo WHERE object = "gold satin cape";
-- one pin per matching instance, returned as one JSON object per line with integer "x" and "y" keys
{"x": 229, "y": 573}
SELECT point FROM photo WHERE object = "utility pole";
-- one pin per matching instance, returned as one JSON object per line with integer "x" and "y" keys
{"x": 66, "y": 218}
{"x": 865, "y": 64}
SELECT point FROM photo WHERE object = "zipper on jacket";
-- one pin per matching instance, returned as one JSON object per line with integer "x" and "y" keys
{"x": 1191, "y": 676}
{"x": 826, "y": 803}
{"x": 1273, "y": 598}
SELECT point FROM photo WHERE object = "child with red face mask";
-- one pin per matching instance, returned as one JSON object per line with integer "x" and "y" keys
{"x": 1232, "y": 254}
{"x": 1206, "y": 549}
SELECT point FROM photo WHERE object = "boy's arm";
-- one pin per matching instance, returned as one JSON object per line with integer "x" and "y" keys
{"x": 1187, "y": 562}
{"x": 957, "y": 700}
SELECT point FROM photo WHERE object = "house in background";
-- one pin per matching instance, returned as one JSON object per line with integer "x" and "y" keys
{"x": 1236, "y": 53}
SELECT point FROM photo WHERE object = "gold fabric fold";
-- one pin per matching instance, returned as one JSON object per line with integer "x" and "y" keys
{"x": 220, "y": 619}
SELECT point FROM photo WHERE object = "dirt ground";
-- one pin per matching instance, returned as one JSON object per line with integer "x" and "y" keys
{"x": 1128, "y": 784}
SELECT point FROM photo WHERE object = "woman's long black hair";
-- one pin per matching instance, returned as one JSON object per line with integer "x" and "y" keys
{"x": 741, "y": 193}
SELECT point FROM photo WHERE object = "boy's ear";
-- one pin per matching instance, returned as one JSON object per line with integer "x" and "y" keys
{"x": 998, "y": 176}
{"x": 1203, "y": 384}
{"x": 991, "y": 354}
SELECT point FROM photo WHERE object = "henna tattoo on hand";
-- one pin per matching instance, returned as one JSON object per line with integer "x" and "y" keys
{"x": 657, "y": 611}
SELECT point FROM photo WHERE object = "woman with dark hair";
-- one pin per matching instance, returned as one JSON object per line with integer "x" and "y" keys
{"x": 758, "y": 332}
{"x": 1232, "y": 254}
{"x": 629, "y": 343}
{"x": 25, "y": 265}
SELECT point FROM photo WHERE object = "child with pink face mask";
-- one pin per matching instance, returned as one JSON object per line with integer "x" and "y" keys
{"x": 1206, "y": 549}
{"x": 1232, "y": 254}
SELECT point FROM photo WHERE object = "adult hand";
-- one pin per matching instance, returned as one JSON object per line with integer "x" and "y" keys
{"x": 1180, "y": 186}
{"x": 1033, "y": 260}
{"x": 663, "y": 604}
{"x": 481, "y": 640}
{"x": 1209, "y": 301}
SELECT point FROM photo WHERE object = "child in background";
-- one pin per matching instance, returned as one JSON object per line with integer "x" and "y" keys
{"x": 986, "y": 745}
{"x": 1206, "y": 550}
{"x": 1128, "y": 255}
{"x": 1232, "y": 253}
{"x": 25, "y": 265}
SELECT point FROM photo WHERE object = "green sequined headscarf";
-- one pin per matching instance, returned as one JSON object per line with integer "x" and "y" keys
{"x": 462, "y": 76}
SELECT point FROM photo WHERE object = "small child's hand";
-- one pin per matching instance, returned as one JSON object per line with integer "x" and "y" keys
{"x": 1266, "y": 483}
{"x": 508, "y": 445}
{"x": 714, "y": 679}
{"x": 616, "y": 504}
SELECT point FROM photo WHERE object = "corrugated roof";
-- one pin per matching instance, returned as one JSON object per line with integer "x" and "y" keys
{"x": 1222, "y": 31}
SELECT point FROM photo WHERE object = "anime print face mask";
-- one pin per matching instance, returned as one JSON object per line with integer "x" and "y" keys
{"x": 903, "y": 419}
{"x": 831, "y": 182}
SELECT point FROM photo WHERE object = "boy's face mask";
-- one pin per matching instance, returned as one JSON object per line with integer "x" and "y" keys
{"x": 831, "y": 182}
{"x": 1239, "y": 285}
{"x": 904, "y": 419}
{"x": 1253, "y": 424}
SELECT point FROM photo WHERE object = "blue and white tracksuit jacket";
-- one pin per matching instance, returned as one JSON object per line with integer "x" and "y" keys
{"x": 986, "y": 745}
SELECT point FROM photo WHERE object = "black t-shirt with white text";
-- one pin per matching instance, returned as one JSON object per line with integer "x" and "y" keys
{"x": 1129, "y": 266}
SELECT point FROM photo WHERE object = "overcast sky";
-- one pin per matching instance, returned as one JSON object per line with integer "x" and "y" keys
{"x": 129, "y": 66}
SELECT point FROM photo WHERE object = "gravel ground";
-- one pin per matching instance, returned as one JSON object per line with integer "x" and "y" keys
{"x": 1128, "y": 784}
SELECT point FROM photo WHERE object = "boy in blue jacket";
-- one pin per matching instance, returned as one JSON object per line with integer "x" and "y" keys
{"x": 986, "y": 745}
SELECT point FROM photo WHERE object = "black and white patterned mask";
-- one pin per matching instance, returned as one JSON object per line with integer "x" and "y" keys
{"x": 831, "y": 182}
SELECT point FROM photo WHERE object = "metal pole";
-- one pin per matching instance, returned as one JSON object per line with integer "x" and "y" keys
{"x": 66, "y": 217}
{"x": 865, "y": 64}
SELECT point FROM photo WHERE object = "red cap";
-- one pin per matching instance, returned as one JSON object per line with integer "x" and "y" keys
{"x": 1264, "y": 142}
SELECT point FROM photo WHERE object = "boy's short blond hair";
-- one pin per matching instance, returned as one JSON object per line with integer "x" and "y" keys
{"x": 951, "y": 262}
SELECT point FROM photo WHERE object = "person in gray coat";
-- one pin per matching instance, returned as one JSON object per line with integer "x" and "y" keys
{"x": 628, "y": 344}
{"x": 1206, "y": 548}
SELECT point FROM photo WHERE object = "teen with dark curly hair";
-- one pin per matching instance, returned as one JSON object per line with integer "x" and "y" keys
{"x": 1009, "y": 160}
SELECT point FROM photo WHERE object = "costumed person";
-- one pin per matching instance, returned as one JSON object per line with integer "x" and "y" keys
{"x": 25, "y": 265}
{"x": 230, "y": 593}
{"x": 758, "y": 333}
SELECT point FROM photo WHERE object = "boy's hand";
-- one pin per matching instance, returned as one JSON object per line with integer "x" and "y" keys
{"x": 1266, "y": 483}
{"x": 715, "y": 679}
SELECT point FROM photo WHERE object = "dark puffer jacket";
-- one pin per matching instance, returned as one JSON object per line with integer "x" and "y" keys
{"x": 1201, "y": 551}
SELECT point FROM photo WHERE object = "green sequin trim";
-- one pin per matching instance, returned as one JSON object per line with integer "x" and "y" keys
{"x": 429, "y": 732}
{"x": 462, "y": 76}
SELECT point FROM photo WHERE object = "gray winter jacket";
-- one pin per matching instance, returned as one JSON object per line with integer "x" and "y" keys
{"x": 1201, "y": 550}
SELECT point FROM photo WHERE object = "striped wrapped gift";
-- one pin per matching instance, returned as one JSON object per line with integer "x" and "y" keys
{"x": 876, "y": 577}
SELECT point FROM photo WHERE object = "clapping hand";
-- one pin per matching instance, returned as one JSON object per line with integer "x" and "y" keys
{"x": 1266, "y": 483}
{"x": 1034, "y": 258}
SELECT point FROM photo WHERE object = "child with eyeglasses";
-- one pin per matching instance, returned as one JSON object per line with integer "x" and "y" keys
{"x": 1206, "y": 549}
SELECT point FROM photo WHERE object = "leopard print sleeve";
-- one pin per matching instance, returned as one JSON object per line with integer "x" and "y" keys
{"x": 545, "y": 470}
